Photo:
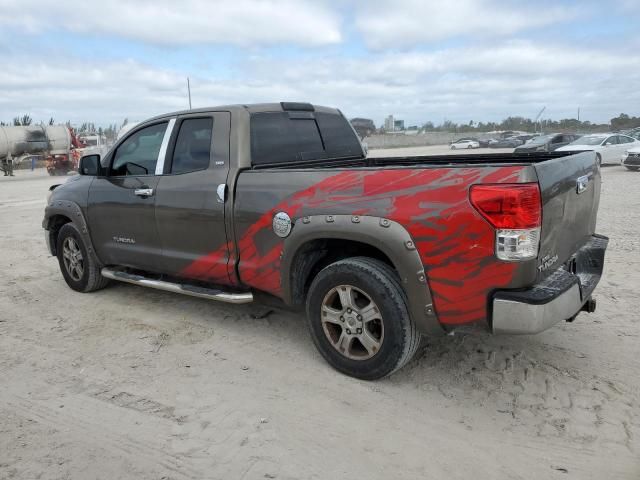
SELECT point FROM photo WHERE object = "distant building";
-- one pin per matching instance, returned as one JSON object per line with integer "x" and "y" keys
{"x": 398, "y": 125}
{"x": 363, "y": 126}
{"x": 389, "y": 123}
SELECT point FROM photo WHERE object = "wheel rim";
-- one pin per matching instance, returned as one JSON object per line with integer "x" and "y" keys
{"x": 352, "y": 322}
{"x": 72, "y": 258}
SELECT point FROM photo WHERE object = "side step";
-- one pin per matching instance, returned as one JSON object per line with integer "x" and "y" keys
{"x": 192, "y": 290}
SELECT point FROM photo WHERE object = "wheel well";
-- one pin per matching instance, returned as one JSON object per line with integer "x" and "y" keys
{"x": 314, "y": 255}
{"x": 55, "y": 224}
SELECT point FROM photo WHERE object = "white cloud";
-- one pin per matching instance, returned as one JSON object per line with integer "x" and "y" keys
{"x": 246, "y": 23}
{"x": 404, "y": 23}
{"x": 460, "y": 84}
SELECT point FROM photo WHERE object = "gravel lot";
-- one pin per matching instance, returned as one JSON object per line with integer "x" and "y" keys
{"x": 131, "y": 383}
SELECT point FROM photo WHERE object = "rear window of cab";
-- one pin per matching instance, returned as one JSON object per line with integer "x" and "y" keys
{"x": 285, "y": 137}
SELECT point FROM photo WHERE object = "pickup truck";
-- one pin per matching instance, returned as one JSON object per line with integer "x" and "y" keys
{"x": 280, "y": 200}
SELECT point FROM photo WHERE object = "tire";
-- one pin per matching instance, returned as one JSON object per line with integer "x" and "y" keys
{"x": 453, "y": 147}
{"x": 370, "y": 281}
{"x": 599, "y": 159}
{"x": 633, "y": 169}
{"x": 470, "y": 146}
{"x": 88, "y": 277}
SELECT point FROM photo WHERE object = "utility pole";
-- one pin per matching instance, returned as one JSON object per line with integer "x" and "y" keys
{"x": 189, "y": 90}
{"x": 535, "y": 122}
{"x": 578, "y": 114}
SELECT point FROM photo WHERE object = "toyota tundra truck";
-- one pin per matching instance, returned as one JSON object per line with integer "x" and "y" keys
{"x": 280, "y": 200}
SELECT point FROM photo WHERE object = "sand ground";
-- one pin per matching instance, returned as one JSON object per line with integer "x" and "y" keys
{"x": 131, "y": 383}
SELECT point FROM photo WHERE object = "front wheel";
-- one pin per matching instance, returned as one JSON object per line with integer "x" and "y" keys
{"x": 598, "y": 159}
{"x": 79, "y": 267}
{"x": 359, "y": 320}
{"x": 453, "y": 147}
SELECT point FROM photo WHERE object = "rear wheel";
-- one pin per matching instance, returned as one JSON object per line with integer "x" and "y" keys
{"x": 599, "y": 159}
{"x": 470, "y": 146}
{"x": 359, "y": 320}
{"x": 79, "y": 268}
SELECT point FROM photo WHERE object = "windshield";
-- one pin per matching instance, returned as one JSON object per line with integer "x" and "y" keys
{"x": 588, "y": 140}
{"x": 541, "y": 139}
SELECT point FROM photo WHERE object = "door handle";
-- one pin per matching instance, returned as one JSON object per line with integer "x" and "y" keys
{"x": 143, "y": 192}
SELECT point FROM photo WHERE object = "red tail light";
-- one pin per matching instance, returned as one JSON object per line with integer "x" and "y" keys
{"x": 508, "y": 206}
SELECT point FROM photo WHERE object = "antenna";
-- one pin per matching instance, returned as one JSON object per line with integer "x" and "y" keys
{"x": 189, "y": 90}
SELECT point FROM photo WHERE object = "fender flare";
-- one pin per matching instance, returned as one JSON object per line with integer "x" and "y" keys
{"x": 388, "y": 236}
{"x": 72, "y": 211}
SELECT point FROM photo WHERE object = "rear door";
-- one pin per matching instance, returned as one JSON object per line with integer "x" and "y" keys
{"x": 624, "y": 143}
{"x": 570, "y": 190}
{"x": 190, "y": 202}
{"x": 121, "y": 204}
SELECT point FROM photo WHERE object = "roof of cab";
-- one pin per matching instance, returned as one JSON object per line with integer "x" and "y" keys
{"x": 250, "y": 108}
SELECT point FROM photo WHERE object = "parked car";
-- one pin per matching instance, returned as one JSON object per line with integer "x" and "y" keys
{"x": 377, "y": 251}
{"x": 631, "y": 159}
{"x": 509, "y": 142}
{"x": 608, "y": 147}
{"x": 547, "y": 143}
{"x": 465, "y": 143}
{"x": 525, "y": 138}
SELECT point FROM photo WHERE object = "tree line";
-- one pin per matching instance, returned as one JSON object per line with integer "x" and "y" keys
{"x": 621, "y": 122}
{"x": 86, "y": 128}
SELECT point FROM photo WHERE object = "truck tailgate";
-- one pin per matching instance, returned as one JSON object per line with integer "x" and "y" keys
{"x": 570, "y": 193}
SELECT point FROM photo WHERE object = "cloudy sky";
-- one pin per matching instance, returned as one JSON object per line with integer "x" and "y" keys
{"x": 421, "y": 60}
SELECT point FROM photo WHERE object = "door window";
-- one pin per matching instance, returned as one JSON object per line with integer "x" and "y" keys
{"x": 193, "y": 146}
{"x": 138, "y": 154}
{"x": 612, "y": 140}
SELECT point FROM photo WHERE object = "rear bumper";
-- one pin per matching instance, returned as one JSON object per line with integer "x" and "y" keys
{"x": 631, "y": 160}
{"x": 560, "y": 296}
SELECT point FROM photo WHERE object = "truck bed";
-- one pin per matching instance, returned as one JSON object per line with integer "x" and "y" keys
{"x": 423, "y": 160}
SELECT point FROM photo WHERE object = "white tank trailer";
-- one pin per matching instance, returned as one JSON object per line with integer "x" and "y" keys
{"x": 50, "y": 141}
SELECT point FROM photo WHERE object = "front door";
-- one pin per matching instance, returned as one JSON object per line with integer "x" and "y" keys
{"x": 610, "y": 152}
{"x": 190, "y": 202}
{"x": 121, "y": 204}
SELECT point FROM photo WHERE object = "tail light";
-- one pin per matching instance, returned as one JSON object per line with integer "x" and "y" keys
{"x": 515, "y": 211}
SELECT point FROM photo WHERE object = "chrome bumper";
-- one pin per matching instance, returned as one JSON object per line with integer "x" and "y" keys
{"x": 512, "y": 317}
{"x": 560, "y": 296}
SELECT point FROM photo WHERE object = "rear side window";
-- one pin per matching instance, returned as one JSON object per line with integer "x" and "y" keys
{"x": 138, "y": 154}
{"x": 282, "y": 137}
{"x": 193, "y": 145}
{"x": 338, "y": 135}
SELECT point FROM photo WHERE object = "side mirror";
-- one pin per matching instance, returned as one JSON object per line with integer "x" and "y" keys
{"x": 89, "y": 165}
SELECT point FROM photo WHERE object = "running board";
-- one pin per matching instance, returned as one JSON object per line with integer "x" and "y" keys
{"x": 192, "y": 290}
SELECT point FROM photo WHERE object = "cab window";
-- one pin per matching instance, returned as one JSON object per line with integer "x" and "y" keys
{"x": 138, "y": 154}
{"x": 193, "y": 146}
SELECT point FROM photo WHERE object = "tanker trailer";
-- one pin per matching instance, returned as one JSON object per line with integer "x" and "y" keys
{"x": 22, "y": 142}
{"x": 54, "y": 142}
